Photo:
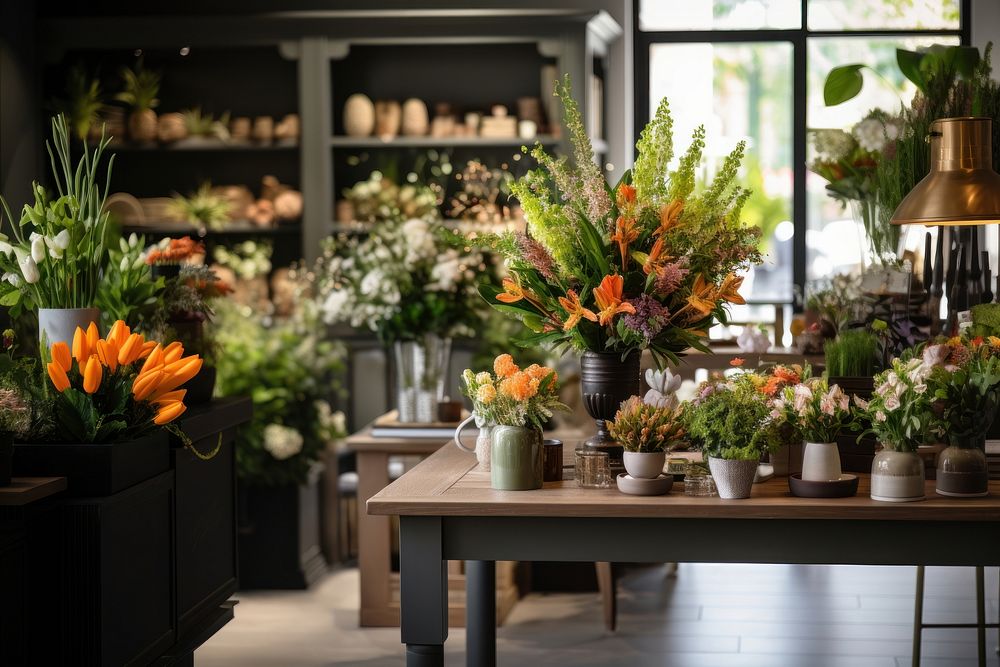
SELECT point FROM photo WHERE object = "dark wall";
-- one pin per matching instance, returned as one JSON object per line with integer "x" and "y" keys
{"x": 20, "y": 153}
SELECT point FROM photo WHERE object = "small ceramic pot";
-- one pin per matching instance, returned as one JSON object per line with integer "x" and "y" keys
{"x": 962, "y": 471}
{"x": 733, "y": 478}
{"x": 821, "y": 462}
{"x": 644, "y": 465}
{"x": 59, "y": 324}
{"x": 897, "y": 477}
{"x": 516, "y": 460}
{"x": 359, "y": 116}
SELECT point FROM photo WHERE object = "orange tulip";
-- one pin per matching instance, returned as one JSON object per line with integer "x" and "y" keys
{"x": 173, "y": 352}
{"x": 130, "y": 349}
{"x": 58, "y": 377}
{"x": 92, "y": 336}
{"x": 61, "y": 355}
{"x": 92, "y": 374}
{"x": 154, "y": 359}
{"x": 118, "y": 333}
{"x": 609, "y": 299}
{"x": 169, "y": 412}
{"x": 170, "y": 397}
{"x": 176, "y": 378}
{"x": 81, "y": 347}
{"x": 145, "y": 383}
{"x": 575, "y": 310}
{"x": 108, "y": 354}
{"x": 147, "y": 348}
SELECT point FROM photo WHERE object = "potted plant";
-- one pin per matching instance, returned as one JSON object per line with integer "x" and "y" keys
{"x": 818, "y": 412}
{"x": 54, "y": 262}
{"x": 900, "y": 414}
{"x": 647, "y": 265}
{"x": 646, "y": 432}
{"x": 966, "y": 396}
{"x": 15, "y": 410}
{"x": 141, "y": 88}
{"x": 731, "y": 422}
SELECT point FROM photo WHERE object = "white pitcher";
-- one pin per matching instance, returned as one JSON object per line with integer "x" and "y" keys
{"x": 483, "y": 443}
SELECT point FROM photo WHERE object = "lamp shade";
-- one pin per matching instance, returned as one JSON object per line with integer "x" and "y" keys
{"x": 961, "y": 188}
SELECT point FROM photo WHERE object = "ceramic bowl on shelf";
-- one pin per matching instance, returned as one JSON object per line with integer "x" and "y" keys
{"x": 844, "y": 487}
{"x": 645, "y": 487}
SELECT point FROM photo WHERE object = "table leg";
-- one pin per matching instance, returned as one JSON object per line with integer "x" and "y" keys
{"x": 981, "y": 613}
{"x": 480, "y": 613}
{"x": 374, "y": 541}
{"x": 423, "y": 583}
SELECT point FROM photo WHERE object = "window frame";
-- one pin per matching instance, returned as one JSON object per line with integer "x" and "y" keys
{"x": 643, "y": 40}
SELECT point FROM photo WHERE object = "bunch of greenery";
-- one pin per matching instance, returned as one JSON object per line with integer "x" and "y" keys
{"x": 966, "y": 390}
{"x": 985, "y": 320}
{"x": 83, "y": 103}
{"x": 649, "y": 264}
{"x": 59, "y": 248}
{"x": 128, "y": 291}
{"x": 290, "y": 372}
{"x": 640, "y": 427}
{"x": 141, "y": 86}
{"x": 202, "y": 207}
{"x": 205, "y": 125}
{"x": 513, "y": 397}
{"x": 853, "y": 353}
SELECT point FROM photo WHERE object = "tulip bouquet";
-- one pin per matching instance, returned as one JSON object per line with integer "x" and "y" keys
{"x": 512, "y": 396}
{"x": 58, "y": 251}
{"x": 650, "y": 264}
{"x": 119, "y": 387}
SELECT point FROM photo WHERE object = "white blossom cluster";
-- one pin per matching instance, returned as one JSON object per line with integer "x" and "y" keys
{"x": 282, "y": 442}
{"x": 872, "y": 134}
{"x": 42, "y": 247}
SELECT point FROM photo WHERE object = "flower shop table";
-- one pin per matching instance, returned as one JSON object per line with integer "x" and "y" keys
{"x": 379, "y": 584}
{"x": 448, "y": 511}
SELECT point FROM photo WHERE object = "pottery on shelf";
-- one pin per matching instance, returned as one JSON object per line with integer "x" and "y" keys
{"x": 644, "y": 465}
{"x": 416, "y": 121}
{"x": 59, "y": 324}
{"x": 733, "y": 477}
{"x": 821, "y": 462}
{"x": 962, "y": 471}
{"x": 239, "y": 128}
{"x": 263, "y": 129}
{"x": 388, "y": 116}
{"x": 142, "y": 126}
{"x": 516, "y": 459}
{"x": 897, "y": 477}
{"x": 657, "y": 486}
{"x": 606, "y": 381}
{"x": 170, "y": 127}
{"x": 359, "y": 116}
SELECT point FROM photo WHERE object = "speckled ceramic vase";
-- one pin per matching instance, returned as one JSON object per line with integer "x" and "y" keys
{"x": 516, "y": 459}
{"x": 733, "y": 478}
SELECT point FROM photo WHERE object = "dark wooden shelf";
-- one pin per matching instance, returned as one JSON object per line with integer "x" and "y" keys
{"x": 439, "y": 142}
{"x": 26, "y": 490}
{"x": 238, "y": 228}
{"x": 200, "y": 147}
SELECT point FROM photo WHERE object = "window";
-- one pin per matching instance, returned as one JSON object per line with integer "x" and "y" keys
{"x": 754, "y": 70}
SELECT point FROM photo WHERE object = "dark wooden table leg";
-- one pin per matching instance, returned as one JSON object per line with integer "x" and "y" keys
{"x": 480, "y": 613}
{"x": 423, "y": 583}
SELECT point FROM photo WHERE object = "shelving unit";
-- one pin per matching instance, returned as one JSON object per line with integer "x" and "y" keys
{"x": 439, "y": 142}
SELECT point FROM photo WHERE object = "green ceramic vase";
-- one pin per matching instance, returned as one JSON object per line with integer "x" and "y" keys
{"x": 516, "y": 459}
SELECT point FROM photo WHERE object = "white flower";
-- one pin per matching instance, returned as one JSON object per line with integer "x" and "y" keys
{"x": 12, "y": 278}
{"x": 334, "y": 304}
{"x": 920, "y": 388}
{"x": 861, "y": 403}
{"x": 6, "y": 248}
{"x": 282, "y": 442}
{"x": 891, "y": 403}
{"x": 38, "y": 249}
{"x": 61, "y": 240}
{"x": 803, "y": 395}
{"x": 124, "y": 265}
{"x": 880, "y": 416}
{"x": 835, "y": 144}
{"x": 133, "y": 240}
{"x": 372, "y": 283}
{"x": 871, "y": 134}
{"x": 29, "y": 269}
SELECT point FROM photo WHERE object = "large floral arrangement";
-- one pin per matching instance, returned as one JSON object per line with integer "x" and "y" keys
{"x": 120, "y": 387}
{"x": 59, "y": 249}
{"x": 649, "y": 264}
{"x": 512, "y": 396}
{"x": 817, "y": 411}
{"x": 404, "y": 280}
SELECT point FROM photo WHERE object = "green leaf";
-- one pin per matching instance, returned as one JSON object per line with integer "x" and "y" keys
{"x": 10, "y": 298}
{"x": 842, "y": 84}
{"x": 75, "y": 413}
{"x": 910, "y": 65}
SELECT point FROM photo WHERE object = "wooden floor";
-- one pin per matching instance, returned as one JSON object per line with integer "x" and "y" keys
{"x": 708, "y": 616}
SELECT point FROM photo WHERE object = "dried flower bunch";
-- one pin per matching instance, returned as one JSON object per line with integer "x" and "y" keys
{"x": 107, "y": 395}
{"x": 641, "y": 427}
{"x": 15, "y": 412}
{"x": 650, "y": 264}
{"x": 378, "y": 199}
{"x": 512, "y": 396}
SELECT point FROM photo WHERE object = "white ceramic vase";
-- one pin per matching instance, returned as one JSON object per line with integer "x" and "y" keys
{"x": 733, "y": 478}
{"x": 359, "y": 116}
{"x": 644, "y": 465}
{"x": 821, "y": 462}
{"x": 59, "y": 324}
{"x": 897, "y": 477}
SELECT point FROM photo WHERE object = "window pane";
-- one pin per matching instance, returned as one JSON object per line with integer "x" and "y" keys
{"x": 834, "y": 241}
{"x": 875, "y": 14}
{"x": 739, "y": 91}
{"x": 719, "y": 14}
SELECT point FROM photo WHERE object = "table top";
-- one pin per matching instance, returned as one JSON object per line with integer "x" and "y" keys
{"x": 448, "y": 484}
{"x": 25, "y": 490}
{"x": 364, "y": 441}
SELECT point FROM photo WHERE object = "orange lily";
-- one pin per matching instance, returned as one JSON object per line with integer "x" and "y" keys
{"x": 626, "y": 231}
{"x": 571, "y": 304}
{"x": 81, "y": 346}
{"x": 92, "y": 374}
{"x": 512, "y": 292}
{"x": 108, "y": 354}
{"x": 729, "y": 291}
{"x": 702, "y": 299}
{"x": 609, "y": 299}
{"x": 58, "y": 376}
{"x": 670, "y": 216}
{"x": 655, "y": 257}
{"x": 61, "y": 355}
{"x": 169, "y": 412}
{"x": 626, "y": 194}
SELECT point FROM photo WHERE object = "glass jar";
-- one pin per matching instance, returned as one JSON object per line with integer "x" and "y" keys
{"x": 698, "y": 483}
{"x": 593, "y": 469}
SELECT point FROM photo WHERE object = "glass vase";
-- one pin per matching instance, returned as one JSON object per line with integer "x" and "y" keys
{"x": 881, "y": 241}
{"x": 421, "y": 372}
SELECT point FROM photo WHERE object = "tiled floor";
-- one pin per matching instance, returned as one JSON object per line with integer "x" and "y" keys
{"x": 709, "y": 616}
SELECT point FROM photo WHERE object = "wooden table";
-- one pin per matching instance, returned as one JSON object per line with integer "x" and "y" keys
{"x": 448, "y": 511}
{"x": 25, "y": 490}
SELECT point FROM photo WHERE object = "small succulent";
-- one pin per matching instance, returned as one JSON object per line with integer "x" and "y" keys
{"x": 641, "y": 427}
{"x": 206, "y": 125}
{"x": 203, "y": 207}
{"x": 141, "y": 88}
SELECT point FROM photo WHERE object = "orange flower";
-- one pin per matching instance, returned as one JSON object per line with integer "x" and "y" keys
{"x": 169, "y": 412}
{"x": 118, "y": 333}
{"x": 609, "y": 299}
{"x": 173, "y": 352}
{"x": 92, "y": 375}
{"x": 655, "y": 257}
{"x": 512, "y": 292}
{"x": 702, "y": 299}
{"x": 61, "y": 355}
{"x": 145, "y": 383}
{"x": 670, "y": 216}
{"x": 177, "y": 374}
{"x": 626, "y": 231}
{"x": 148, "y": 347}
{"x": 92, "y": 336}
{"x": 736, "y": 362}
{"x": 108, "y": 354}
{"x": 58, "y": 377}
{"x": 81, "y": 346}
{"x": 170, "y": 397}
{"x": 154, "y": 359}
{"x": 626, "y": 194}
{"x": 786, "y": 375}
{"x": 504, "y": 366}
{"x": 729, "y": 291}
{"x": 575, "y": 310}
{"x": 520, "y": 386}
{"x": 130, "y": 349}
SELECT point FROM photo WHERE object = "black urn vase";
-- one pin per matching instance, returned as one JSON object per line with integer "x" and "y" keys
{"x": 607, "y": 380}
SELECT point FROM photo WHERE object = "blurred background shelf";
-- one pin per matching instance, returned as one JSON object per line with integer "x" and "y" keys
{"x": 196, "y": 147}
{"x": 439, "y": 142}
{"x": 238, "y": 228}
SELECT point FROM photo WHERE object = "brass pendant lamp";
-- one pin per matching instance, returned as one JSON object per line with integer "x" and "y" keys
{"x": 961, "y": 188}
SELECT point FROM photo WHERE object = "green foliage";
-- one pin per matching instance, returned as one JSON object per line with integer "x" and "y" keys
{"x": 985, "y": 320}
{"x": 732, "y": 422}
{"x": 655, "y": 149}
{"x": 83, "y": 104}
{"x": 128, "y": 291}
{"x": 203, "y": 207}
{"x": 206, "y": 125}
{"x": 854, "y": 353}
{"x": 842, "y": 83}
{"x": 141, "y": 87}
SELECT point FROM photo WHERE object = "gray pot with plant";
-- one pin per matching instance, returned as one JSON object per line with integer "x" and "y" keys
{"x": 646, "y": 432}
